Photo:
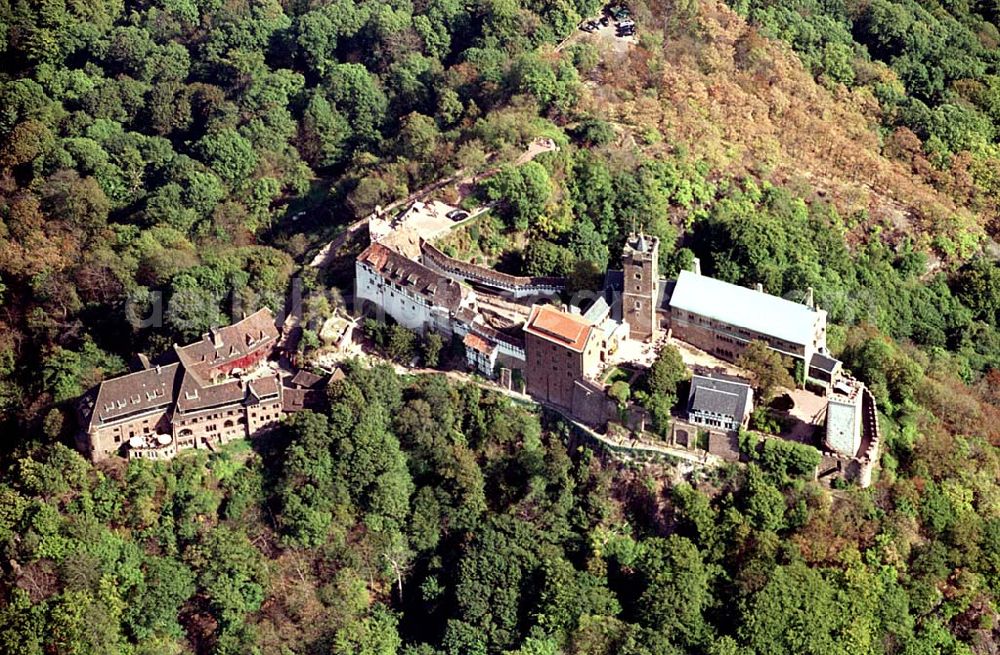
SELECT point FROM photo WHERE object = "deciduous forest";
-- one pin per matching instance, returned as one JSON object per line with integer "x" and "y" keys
{"x": 195, "y": 154}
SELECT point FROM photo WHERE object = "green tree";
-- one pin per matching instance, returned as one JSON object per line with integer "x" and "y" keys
{"x": 231, "y": 573}
{"x": 153, "y": 606}
{"x": 373, "y": 635}
{"x": 323, "y": 133}
{"x": 620, "y": 392}
{"x": 401, "y": 344}
{"x": 546, "y": 258}
{"x": 768, "y": 369}
{"x": 308, "y": 490}
{"x": 432, "y": 345}
{"x": 797, "y": 611}
{"x": 788, "y": 458}
{"x": 667, "y": 371}
{"x": 229, "y": 155}
{"x": 523, "y": 191}
{"x": 978, "y": 286}
{"x": 764, "y": 503}
{"x": 357, "y": 93}
{"x": 677, "y": 591}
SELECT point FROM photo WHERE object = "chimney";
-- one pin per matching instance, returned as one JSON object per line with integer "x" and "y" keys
{"x": 810, "y": 300}
{"x": 759, "y": 287}
{"x": 217, "y": 337}
{"x": 696, "y": 266}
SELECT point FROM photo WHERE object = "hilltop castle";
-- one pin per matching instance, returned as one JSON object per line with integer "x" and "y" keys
{"x": 561, "y": 352}
{"x": 222, "y": 387}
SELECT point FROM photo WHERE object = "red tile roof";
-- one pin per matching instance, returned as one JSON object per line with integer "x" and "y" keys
{"x": 476, "y": 342}
{"x": 567, "y": 330}
{"x": 229, "y": 344}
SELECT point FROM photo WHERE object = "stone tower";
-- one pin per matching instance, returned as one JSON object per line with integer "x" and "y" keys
{"x": 640, "y": 287}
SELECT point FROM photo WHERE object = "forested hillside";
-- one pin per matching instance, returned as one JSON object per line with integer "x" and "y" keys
{"x": 154, "y": 147}
{"x": 198, "y": 151}
{"x": 421, "y": 518}
{"x": 931, "y": 67}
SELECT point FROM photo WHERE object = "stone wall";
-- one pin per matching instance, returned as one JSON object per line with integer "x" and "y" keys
{"x": 723, "y": 340}
{"x": 591, "y": 404}
{"x": 725, "y": 445}
{"x": 108, "y": 440}
{"x": 518, "y": 285}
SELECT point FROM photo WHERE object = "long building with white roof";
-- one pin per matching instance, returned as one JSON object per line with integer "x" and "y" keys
{"x": 723, "y": 318}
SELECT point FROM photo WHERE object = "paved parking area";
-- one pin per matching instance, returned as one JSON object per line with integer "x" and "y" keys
{"x": 605, "y": 35}
{"x": 403, "y": 231}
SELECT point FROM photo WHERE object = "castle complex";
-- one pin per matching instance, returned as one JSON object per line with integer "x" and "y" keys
{"x": 221, "y": 387}
{"x": 561, "y": 352}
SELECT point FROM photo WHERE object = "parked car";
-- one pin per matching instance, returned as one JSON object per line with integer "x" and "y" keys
{"x": 588, "y": 26}
{"x": 619, "y": 13}
{"x": 626, "y": 28}
{"x": 457, "y": 215}
{"x": 605, "y": 20}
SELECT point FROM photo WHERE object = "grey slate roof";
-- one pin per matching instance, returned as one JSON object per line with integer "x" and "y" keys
{"x": 598, "y": 311}
{"x": 824, "y": 363}
{"x": 665, "y": 293}
{"x": 614, "y": 281}
{"x": 135, "y": 393}
{"x": 746, "y": 308}
{"x": 304, "y": 379}
{"x": 718, "y": 396}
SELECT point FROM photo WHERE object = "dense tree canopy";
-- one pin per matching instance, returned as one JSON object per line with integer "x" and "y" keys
{"x": 178, "y": 155}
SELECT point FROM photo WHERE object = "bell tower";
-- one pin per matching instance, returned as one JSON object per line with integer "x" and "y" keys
{"x": 640, "y": 288}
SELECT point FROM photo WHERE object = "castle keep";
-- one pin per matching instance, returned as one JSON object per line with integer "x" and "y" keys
{"x": 640, "y": 286}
